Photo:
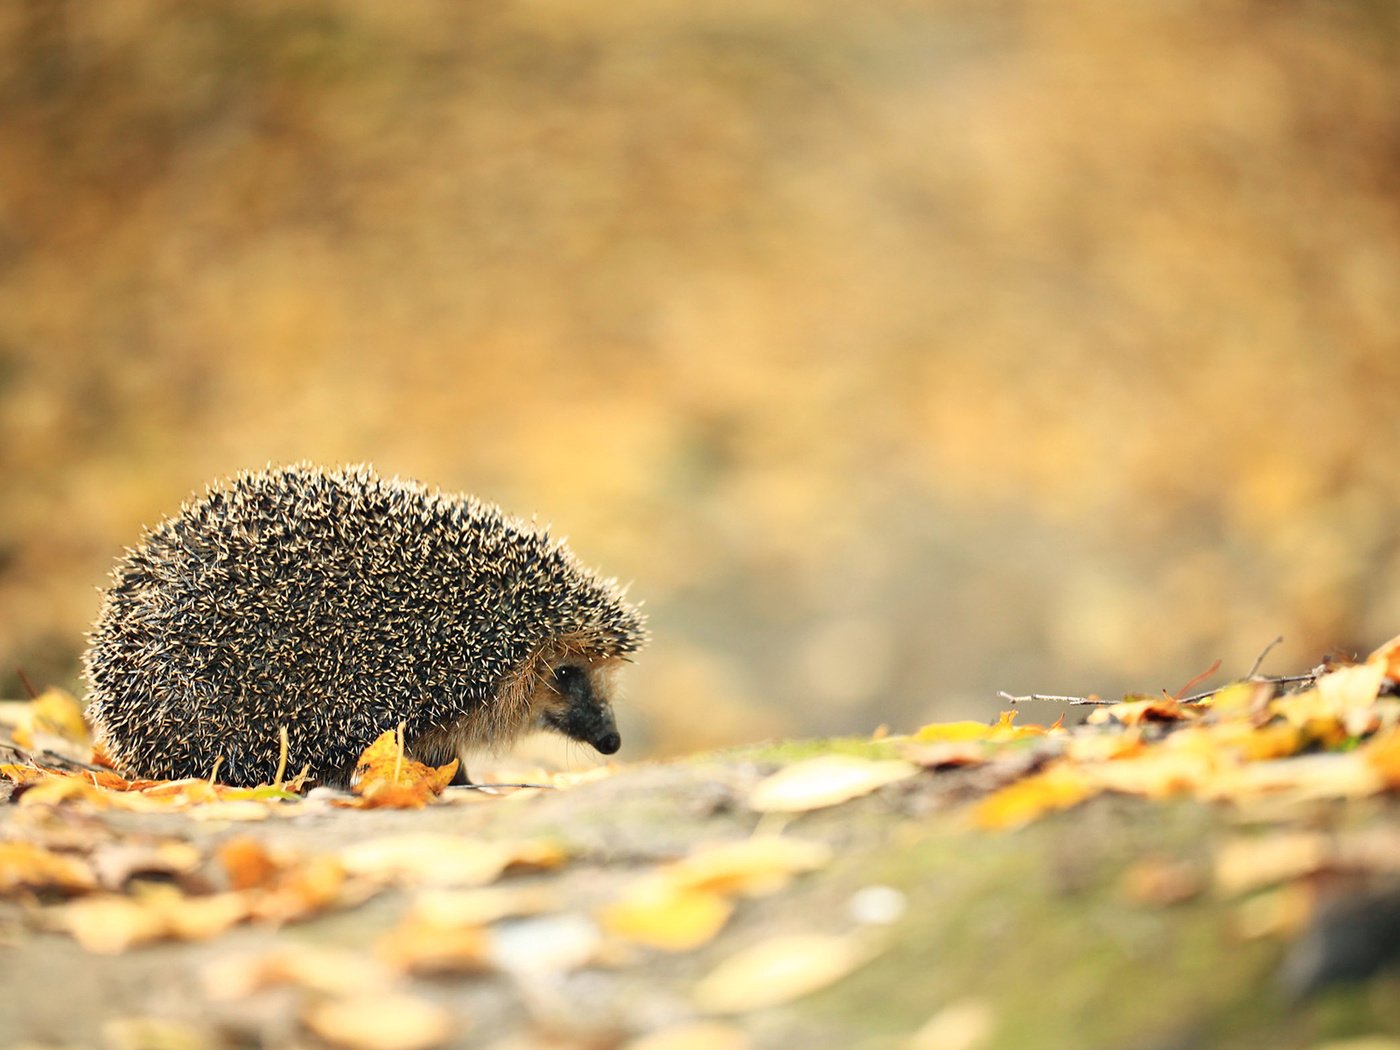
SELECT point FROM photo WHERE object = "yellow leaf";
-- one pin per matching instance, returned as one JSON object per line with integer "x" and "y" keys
{"x": 826, "y": 781}
{"x": 1382, "y": 753}
{"x": 386, "y": 778}
{"x": 1058, "y": 786}
{"x": 962, "y": 1025}
{"x": 381, "y": 1021}
{"x": 778, "y": 971}
{"x": 661, "y": 914}
{"x": 25, "y": 864}
{"x": 998, "y": 732}
{"x": 53, "y": 716}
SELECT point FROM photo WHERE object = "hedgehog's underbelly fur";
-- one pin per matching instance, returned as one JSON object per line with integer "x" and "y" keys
{"x": 336, "y": 606}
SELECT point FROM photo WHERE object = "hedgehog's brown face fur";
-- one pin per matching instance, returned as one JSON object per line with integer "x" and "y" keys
{"x": 572, "y": 696}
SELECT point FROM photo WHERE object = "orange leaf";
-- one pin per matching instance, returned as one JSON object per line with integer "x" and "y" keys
{"x": 1058, "y": 786}
{"x": 386, "y": 778}
{"x": 1387, "y": 658}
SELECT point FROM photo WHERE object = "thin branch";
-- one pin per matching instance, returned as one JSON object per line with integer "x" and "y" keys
{"x": 1260, "y": 660}
{"x": 1076, "y": 700}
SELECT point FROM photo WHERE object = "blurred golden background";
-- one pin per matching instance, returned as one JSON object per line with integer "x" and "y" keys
{"x": 898, "y": 352}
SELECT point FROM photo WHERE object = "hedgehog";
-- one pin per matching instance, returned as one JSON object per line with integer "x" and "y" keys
{"x": 335, "y": 605}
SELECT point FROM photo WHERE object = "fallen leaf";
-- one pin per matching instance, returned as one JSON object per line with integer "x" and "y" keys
{"x": 381, "y": 1021}
{"x": 962, "y": 1025}
{"x": 417, "y": 946}
{"x": 947, "y": 753}
{"x": 1246, "y": 864}
{"x": 445, "y": 860}
{"x": 386, "y": 778}
{"x": 1058, "y": 786}
{"x": 54, "y": 720}
{"x": 826, "y": 781}
{"x": 778, "y": 971}
{"x": 1136, "y": 712}
{"x": 1382, "y": 754}
{"x": 247, "y": 862}
{"x": 1387, "y": 658}
{"x": 116, "y": 863}
{"x": 110, "y": 924}
{"x": 31, "y": 866}
{"x": 661, "y": 914}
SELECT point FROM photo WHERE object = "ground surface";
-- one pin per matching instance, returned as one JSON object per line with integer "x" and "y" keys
{"x": 1027, "y": 938}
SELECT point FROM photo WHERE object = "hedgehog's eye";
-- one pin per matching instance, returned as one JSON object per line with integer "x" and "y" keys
{"x": 566, "y": 675}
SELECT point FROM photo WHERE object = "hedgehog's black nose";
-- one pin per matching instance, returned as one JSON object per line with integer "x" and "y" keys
{"x": 608, "y": 743}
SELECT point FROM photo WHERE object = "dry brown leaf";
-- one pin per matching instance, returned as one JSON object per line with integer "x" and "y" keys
{"x": 661, "y": 914}
{"x": 816, "y": 783}
{"x": 381, "y": 1021}
{"x": 778, "y": 971}
{"x": 31, "y": 866}
{"x": 386, "y": 778}
{"x": 947, "y": 753}
{"x": 962, "y": 1025}
{"x": 694, "y": 1035}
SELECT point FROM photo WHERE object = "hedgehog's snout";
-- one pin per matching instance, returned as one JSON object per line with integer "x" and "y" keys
{"x": 585, "y": 715}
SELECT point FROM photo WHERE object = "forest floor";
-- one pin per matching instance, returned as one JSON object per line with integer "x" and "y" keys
{"x": 668, "y": 906}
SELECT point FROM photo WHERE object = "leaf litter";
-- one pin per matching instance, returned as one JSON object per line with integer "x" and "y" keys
{"x": 489, "y": 905}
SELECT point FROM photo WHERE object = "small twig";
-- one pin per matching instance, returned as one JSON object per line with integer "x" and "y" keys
{"x": 1260, "y": 660}
{"x": 1077, "y": 700}
{"x": 28, "y": 685}
{"x": 1272, "y": 679}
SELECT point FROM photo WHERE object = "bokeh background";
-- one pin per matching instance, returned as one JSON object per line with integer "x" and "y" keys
{"x": 898, "y": 352}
